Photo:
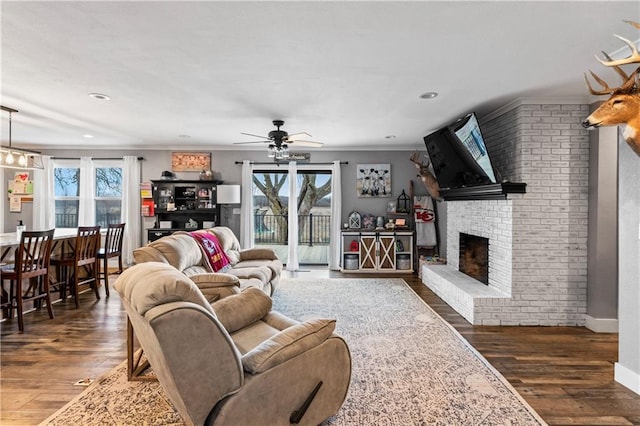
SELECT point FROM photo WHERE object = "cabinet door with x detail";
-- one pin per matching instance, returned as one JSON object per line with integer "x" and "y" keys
{"x": 368, "y": 252}
{"x": 386, "y": 252}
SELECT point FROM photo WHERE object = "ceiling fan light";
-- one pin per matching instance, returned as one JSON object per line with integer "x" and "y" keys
{"x": 279, "y": 154}
{"x": 271, "y": 151}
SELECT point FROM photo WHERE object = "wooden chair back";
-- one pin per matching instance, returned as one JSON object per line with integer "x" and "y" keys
{"x": 86, "y": 245}
{"x": 113, "y": 242}
{"x": 33, "y": 254}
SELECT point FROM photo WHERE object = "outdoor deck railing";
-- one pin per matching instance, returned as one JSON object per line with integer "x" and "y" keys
{"x": 312, "y": 229}
{"x": 70, "y": 220}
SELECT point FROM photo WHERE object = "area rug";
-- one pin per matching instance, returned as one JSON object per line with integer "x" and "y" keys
{"x": 409, "y": 367}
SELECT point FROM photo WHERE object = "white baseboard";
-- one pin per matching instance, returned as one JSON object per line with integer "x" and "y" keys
{"x": 601, "y": 325}
{"x": 627, "y": 378}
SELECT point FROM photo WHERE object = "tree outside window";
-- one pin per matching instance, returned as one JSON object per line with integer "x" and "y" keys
{"x": 67, "y": 196}
{"x": 108, "y": 196}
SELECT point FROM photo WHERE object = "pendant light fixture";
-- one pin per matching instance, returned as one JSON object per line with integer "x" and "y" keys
{"x": 18, "y": 158}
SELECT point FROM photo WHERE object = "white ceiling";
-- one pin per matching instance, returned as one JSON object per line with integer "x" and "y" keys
{"x": 348, "y": 73}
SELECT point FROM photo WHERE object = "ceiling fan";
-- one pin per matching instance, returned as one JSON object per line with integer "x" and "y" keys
{"x": 279, "y": 139}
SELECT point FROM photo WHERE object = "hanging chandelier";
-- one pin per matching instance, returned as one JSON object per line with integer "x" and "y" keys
{"x": 18, "y": 158}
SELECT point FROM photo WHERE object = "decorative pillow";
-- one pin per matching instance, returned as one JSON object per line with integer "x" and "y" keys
{"x": 287, "y": 344}
{"x": 242, "y": 309}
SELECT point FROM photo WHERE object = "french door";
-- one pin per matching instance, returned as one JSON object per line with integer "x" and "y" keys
{"x": 273, "y": 212}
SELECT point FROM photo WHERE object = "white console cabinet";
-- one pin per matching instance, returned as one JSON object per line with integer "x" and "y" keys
{"x": 377, "y": 251}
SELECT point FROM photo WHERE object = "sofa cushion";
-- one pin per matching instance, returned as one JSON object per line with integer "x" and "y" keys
{"x": 261, "y": 273}
{"x": 179, "y": 249}
{"x": 151, "y": 284}
{"x": 242, "y": 309}
{"x": 287, "y": 344}
{"x": 228, "y": 241}
{"x": 274, "y": 266}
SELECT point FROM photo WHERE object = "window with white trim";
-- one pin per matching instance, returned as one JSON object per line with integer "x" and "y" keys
{"x": 106, "y": 195}
{"x": 66, "y": 179}
{"x": 108, "y": 192}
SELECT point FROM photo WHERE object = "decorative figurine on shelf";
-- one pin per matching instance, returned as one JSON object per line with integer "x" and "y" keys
{"x": 168, "y": 175}
{"x": 354, "y": 246}
{"x": 390, "y": 225}
{"x": 206, "y": 175}
{"x": 191, "y": 224}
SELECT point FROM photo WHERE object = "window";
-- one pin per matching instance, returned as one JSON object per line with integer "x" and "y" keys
{"x": 108, "y": 196}
{"x": 67, "y": 196}
{"x": 101, "y": 183}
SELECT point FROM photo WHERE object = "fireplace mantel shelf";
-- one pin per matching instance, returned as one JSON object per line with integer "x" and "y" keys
{"x": 498, "y": 191}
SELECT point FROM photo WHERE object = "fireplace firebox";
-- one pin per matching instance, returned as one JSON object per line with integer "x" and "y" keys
{"x": 474, "y": 257}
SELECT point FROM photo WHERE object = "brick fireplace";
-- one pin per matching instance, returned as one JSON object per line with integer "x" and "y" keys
{"x": 537, "y": 250}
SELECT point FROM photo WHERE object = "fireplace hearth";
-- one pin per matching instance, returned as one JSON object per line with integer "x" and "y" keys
{"x": 474, "y": 257}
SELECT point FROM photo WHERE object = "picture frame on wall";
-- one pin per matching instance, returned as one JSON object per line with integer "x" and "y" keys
{"x": 373, "y": 180}
{"x": 190, "y": 161}
{"x": 391, "y": 207}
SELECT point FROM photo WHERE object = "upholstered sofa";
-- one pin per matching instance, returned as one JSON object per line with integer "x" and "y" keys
{"x": 256, "y": 267}
{"x": 234, "y": 362}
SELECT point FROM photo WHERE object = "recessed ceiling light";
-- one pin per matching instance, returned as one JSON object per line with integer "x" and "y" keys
{"x": 390, "y": 137}
{"x": 99, "y": 96}
{"x": 428, "y": 95}
{"x": 184, "y": 136}
{"x": 88, "y": 136}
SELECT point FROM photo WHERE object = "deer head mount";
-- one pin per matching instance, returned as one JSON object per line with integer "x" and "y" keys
{"x": 428, "y": 179}
{"x": 623, "y": 105}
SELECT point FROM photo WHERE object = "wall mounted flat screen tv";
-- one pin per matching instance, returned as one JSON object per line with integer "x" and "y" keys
{"x": 459, "y": 155}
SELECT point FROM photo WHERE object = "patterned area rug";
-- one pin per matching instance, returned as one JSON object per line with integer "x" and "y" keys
{"x": 409, "y": 366}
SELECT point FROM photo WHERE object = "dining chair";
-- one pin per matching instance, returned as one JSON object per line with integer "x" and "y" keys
{"x": 79, "y": 266}
{"x": 112, "y": 248}
{"x": 31, "y": 262}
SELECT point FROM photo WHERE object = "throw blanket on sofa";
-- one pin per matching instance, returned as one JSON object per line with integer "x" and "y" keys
{"x": 215, "y": 256}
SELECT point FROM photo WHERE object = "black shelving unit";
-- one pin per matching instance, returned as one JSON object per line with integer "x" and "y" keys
{"x": 183, "y": 205}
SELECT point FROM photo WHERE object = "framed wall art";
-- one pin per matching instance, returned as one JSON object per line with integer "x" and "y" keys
{"x": 373, "y": 180}
{"x": 190, "y": 161}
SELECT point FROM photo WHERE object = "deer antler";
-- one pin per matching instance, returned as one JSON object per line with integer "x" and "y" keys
{"x": 634, "y": 58}
{"x": 628, "y": 81}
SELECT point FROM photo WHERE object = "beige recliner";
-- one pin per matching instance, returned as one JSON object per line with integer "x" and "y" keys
{"x": 235, "y": 362}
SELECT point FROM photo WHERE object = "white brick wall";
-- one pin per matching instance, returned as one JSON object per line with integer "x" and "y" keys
{"x": 538, "y": 240}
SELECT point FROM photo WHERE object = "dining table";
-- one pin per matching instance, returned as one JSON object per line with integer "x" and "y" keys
{"x": 9, "y": 241}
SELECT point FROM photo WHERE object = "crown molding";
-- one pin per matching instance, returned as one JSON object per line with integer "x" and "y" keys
{"x": 579, "y": 100}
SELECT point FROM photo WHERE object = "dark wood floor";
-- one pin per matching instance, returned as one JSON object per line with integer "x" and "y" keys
{"x": 564, "y": 373}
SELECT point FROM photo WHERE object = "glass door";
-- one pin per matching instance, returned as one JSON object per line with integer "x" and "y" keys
{"x": 271, "y": 210}
{"x": 271, "y": 213}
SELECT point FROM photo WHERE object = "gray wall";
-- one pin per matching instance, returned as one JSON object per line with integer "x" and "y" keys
{"x": 225, "y": 169}
{"x": 602, "y": 257}
{"x": 628, "y": 367}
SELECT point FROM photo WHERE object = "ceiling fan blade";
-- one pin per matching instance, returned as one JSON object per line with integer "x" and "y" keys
{"x": 295, "y": 136}
{"x": 255, "y": 136}
{"x": 248, "y": 142}
{"x": 307, "y": 143}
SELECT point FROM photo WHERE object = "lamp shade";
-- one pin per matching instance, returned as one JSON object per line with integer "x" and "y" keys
{"x": 228, "y": 194}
